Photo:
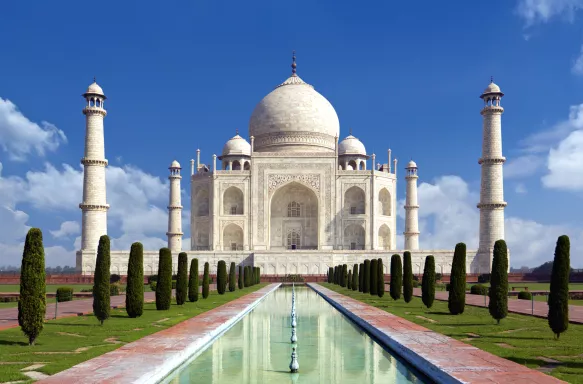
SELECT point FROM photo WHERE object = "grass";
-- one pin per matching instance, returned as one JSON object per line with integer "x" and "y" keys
{"x": 50, "y": 301}
{"x": 544, "y": 300}
{"x": 52, "y": 288}
{"x": 534, "y": 286}
{"x": 520, "y": 338}
{"x": 66, "y": 342}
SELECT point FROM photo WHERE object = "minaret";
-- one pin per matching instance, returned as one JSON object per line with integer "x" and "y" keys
{"x": 94, "y": 205}
{"x": 492, "y": 202}
{"x": 411, "y": 209}
{"x": 174, "y": 209}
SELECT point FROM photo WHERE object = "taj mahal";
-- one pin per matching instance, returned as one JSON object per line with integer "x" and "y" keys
{"x": 294, "y": 198}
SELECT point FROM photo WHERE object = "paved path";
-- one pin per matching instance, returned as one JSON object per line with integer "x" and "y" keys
{"x": 153, "y": 357}
{"x": 525, "y": 307}
{"x": 436, "y": 355}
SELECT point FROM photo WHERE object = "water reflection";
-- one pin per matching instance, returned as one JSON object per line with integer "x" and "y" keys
{"x": 330, "y": 348}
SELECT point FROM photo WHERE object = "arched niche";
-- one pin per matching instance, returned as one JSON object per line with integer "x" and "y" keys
{"x": 354, "y": 237}
{"x": 232, "y": 237}
{"x": 385, "y": 202}
{"x": 354, "y": 201}
{"x": 201, "y": 203}
{"x": 233, "y": 203}
{"x": 293, "y": 218}
{"x": 384, "y": 237}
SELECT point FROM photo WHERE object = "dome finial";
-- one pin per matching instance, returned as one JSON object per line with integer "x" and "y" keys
{"x": 491, "y": 79}
{"x": 95, "y": 81}
{"x": 294, "y": 65}
{"x": 236, "y": 131}
{"x": 350, "y": 131}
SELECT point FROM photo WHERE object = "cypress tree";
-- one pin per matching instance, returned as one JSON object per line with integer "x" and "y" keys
{"x": 330, "y": 275}
{"x": 336, "y": 275}
{"x": 193, "y": 282}
{"x": 355, "y": 277}
{"x": 221, "y": 277}
{"x": 374, "y": 277}
{"x": 498, "y": 305}
{"x": 101, "y": 300}
{"x": 232, "y": 277}
{"x": 559, "y": 293}
{"x": 205, "y": 281}
{"x": 381, "y": 278}
{"x": 428, "y": 282}
{"x": 258, "y": 275}
{"x": 241, "y": 285}
{"x": 407, "y": 277}
{"x": 366, "y": 277}
{"x": 182, "y": 278}
{"x": 135, "y": 283}
{"x": 343, "y": 275}
{"x": 164, "y": 284}
{"x": 349, "y": 280}
{"x": 457, "y": 285}
{"x": 360, "y": 277}
{"x": 32, "y": 302}
{"x": 246, "y": 276}
{"x": 396, "y": 277}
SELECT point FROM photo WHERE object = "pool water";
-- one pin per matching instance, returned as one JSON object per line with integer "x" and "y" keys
{"x": 330, "y": 348}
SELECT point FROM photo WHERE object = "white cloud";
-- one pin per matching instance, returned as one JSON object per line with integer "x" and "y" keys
{"x": 565, "y": 164}
{"x": 20, "y": 136}
{"x": 67, "y": 228}
{"x": 542, "y": 11}
{"x": 577, "y": 68}
{"x": 520, "y": 189}
{"x": 448, "y": 215}
{"x": 523, "y": 166}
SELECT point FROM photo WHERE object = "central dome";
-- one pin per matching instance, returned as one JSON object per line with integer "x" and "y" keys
{"x": 294, "y": 118}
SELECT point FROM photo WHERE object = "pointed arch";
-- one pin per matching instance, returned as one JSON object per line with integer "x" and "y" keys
{"x": 385, "y": 202}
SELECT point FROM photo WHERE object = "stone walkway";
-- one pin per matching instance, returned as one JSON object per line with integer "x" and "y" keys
{"x": 441, "y": 358}
{"x": 150, "y": 359}
{"x": 524, "y": 307}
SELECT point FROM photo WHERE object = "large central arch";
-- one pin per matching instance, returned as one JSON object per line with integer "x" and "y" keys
{"x": 293, "y": 218}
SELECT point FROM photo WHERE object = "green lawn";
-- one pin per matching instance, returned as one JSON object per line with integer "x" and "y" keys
{"x": 52, "y": 288}
{"x": 50, "y": 301}
{"x": 520, "y": 338}
{"x": 544, "y": 300}
{"x": 534, "y": 286}
{"x": 70, "y": 341}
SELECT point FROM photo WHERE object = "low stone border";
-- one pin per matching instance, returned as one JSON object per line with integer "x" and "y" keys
{"x": 152, "y": 358}
{"x": 439, "y": 357}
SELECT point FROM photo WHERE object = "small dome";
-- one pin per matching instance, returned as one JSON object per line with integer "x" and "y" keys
{"x": 412, "y": 164}
{"x": 351, "y": 146}
{"x": 492, "y": 88}
{"x": 175, "y": 164}
{"x": 95, "y": 89}
{"x": 237, "y": 146}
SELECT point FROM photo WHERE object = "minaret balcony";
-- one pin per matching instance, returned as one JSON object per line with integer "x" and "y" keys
{"x": 86, "y": 161}
{"x": 492, "y": 160}
{"x": 492, "y": 205}
{"x": 94, "y": 111}
{"x": 94, "y": 207}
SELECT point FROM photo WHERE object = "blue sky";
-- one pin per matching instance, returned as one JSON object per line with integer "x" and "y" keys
{"x": 185, "y": 75}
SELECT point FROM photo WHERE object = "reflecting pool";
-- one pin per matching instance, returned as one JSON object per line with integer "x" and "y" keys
{"x": 331, "y": 349}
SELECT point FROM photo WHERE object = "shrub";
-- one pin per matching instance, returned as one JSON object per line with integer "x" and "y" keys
{"x": 485, "y": 277}
{"x": 559, "y": 292}
{"x": 32, "y": 303}
{"x": 428, "y": 282}
{"x": 193, "y": 281}
{"x": 416, "y": 278}
{"x": 164, "y": 285}
{"x": 355, "y": 277}
{"x": 64, "y": 294}
{"x": 380, "y": 278}
{"x": 8, "y": 299}
{"x": 407, "y": 277}
{"x": 366, "y": 279}
{"x": 182, "y": 279}
{"x": 416, "y": 284}
{"x": 221, "y": 277}
{"x": 396, "y": 277}
{"x": 498, "y": 305}
{"x": 241, "y": 285}
{"x": 86, "y": 290}
{"x": 153, "y": 286}
{"x": 457, "y": 293}
{"x": 360, "y": 277}
{"x": 524, "y": 295}
{"x": 153, "y": 278}
{"x": 349, "y": 280}
{"x": 135, "y": 283}
{"x": 374, "y": 277}
{"x": 101, "y": 290}
{"x": 205, "y": 281}
{"x": 330, "y": 275}
{"x": 479, "y": 289}
{"x": 114, "y": 289}
{"x": 232, "y": 277}
{"x": 173, "y": 284}
{"x": 438, "y": 277}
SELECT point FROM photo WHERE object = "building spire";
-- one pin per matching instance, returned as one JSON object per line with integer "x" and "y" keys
{"x": 350, "y": 131}
{"x": 95, "y": 81}
{"x": 294, "y": 65}
{"x": 491, "y": 79}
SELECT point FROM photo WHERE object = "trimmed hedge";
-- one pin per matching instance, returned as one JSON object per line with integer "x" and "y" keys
{"x": 457, "y": 293}
{"x": 374, "y": 277}
{"x": 344, "y": 276}
{"x": 64, "y": 294}
{"x": 330, "y": 275}
{"x": 498, "y": 306}
{"x": 349, "y": 280}
{"x": 193, "y": 281}
{"x": 101, "y": 289}
{"x": 205, "y": 281}
{"x": 355, "y": 277}
{"x": 221, "y": 277}
{"x": 360, "y": 277}
{"x": 164, "y": 285}
{"x": 366, "y": 278}
{"x": 407, "y": 277}
{"x": 396, "y": 277}
{"x": 240, "y": 280}
{"x": 524, "y": 295}
{"x": 479, "y": 289}
{"x": 428, "y": 282}
{"x": 380, "y": 278}
{"x": 558, "y": 316}
{"x": 182, "y": 279}
{"x": 135, "y": 283}
{"x": 232, "y": 277}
